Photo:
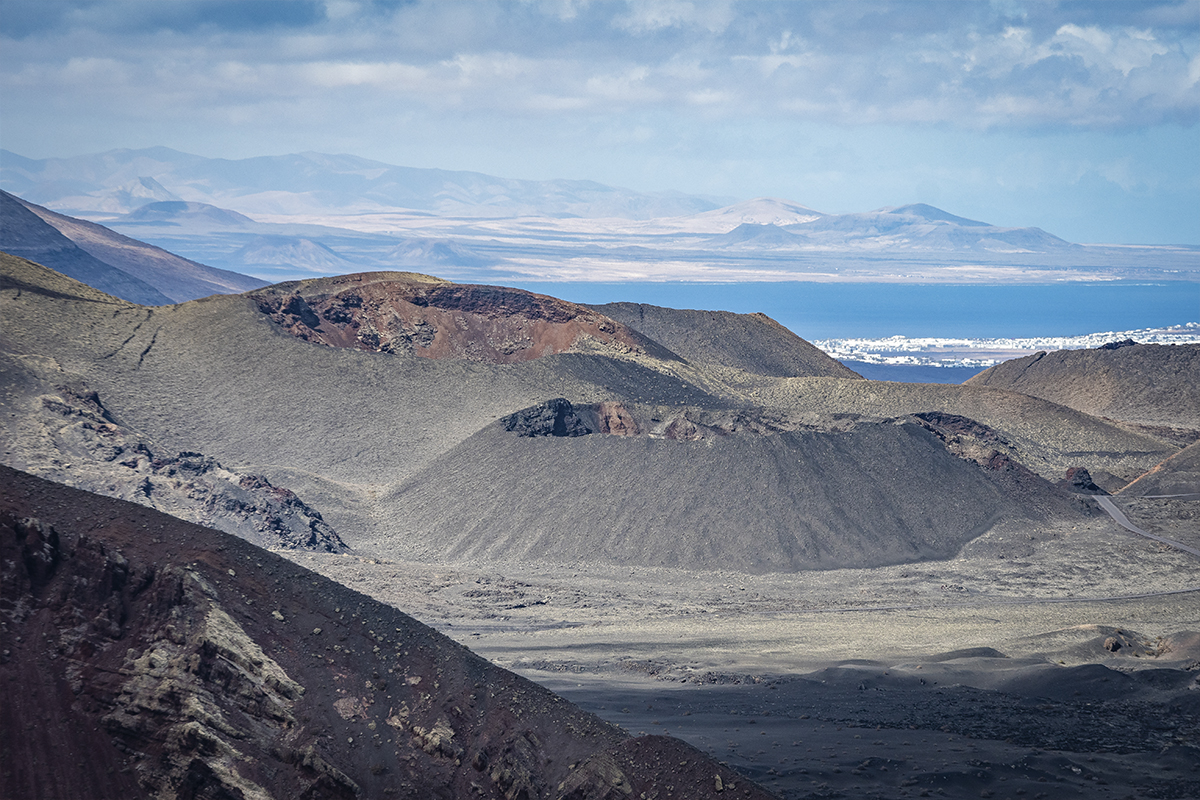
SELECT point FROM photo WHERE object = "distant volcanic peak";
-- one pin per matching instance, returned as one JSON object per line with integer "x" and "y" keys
{"x": 765, "y": 210}
{"x": 428, "y": 317}
{"x": 931, "y": 213}
{"x": 171, "y": 210}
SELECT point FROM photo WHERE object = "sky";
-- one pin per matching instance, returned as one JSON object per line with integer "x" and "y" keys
{"x": 1080, "y": 118}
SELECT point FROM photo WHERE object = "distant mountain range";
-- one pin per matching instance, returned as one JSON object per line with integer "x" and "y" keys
{"x": 123, "y": 180}
{"x": 912, "y": 227}
{"x": 311, "y": 214}
{"x": 160, "y": 185}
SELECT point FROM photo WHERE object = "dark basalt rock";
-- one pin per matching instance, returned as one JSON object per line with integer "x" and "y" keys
{"x": 555, "y": 417}
{"x": 1079, "y": 481}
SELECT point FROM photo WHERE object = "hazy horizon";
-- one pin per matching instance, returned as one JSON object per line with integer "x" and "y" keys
{"x": 1077, "y": 118}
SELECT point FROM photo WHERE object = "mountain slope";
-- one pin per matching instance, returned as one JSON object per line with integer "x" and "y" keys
{"x": 159, "y": 658}
{"x": 751, "y": 342}
{"x": 24, "y": 234}
{"x": 1147, "y": 384}
{"x": 1177, "y": 475}
{"x": 177, "y": 278}
{"x": 1043, "y": 436}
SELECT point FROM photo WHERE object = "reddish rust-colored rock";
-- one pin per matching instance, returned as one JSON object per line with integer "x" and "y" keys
{"x": 409, "y": 313}
{"x": 615, "y": 419}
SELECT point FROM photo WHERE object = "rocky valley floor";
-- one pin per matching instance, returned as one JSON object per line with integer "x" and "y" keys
{"x": 1066, "y": 667}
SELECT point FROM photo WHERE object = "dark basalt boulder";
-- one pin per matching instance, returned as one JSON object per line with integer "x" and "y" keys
{"x": 555, "y": 417}
{"x": 1079, "y": 481}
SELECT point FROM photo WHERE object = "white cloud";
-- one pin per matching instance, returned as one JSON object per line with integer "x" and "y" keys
{"x": 646, "y": 16}
{"x": 969, "y": 65}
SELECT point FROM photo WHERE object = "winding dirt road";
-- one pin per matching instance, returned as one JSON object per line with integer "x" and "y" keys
{"x": 1119, "y": 517}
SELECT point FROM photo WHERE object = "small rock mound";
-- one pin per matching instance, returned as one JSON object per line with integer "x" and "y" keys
{"x": 1079, "y": 481}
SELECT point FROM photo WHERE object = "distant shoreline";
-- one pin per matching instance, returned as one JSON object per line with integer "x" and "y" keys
{"x": 878, "y": 310}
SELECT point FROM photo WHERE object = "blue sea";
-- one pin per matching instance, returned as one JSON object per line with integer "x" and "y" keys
{"x": 842, "y": 310}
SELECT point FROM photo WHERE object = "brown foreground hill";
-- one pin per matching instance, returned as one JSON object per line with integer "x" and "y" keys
{"x": 145, "y": 656}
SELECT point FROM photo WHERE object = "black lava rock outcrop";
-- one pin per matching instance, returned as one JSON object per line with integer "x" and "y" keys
{"x": 555, "y": 417}
{"x": 1079, "y": 481}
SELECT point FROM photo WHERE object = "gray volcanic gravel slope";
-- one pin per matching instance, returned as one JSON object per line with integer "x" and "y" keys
{"x": 1177, "y": 475}
{"x": 144, "y": 656}
{"x": 343, "y": 427}
{"x": 877, "y": 494}
{"x": 218, "y": 377}
{"x": 1044, "y": 436}
{"x": 54, "y": 427}
{"x": 1148, "y": 384}
{"x": 751, "y": 342}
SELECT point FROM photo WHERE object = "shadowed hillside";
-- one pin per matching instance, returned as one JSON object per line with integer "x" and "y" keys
{"x": 178, "y": 278}
{"x": 159, "y": 658}
{"x": 25, "y": 234}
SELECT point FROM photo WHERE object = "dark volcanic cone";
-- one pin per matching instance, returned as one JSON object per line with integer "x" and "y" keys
{"x": 145, "y": 656}
{"x": 404, "y": 312}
